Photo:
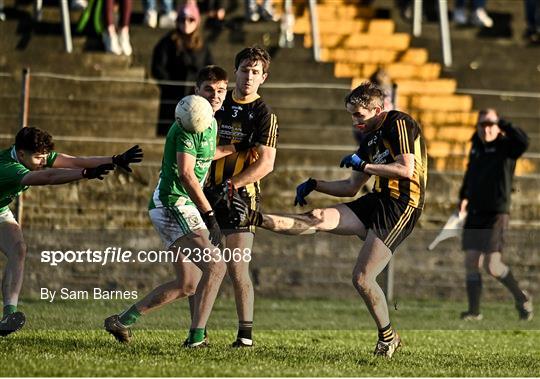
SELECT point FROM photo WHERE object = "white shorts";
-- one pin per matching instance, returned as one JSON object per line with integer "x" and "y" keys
{"x": 7, "y": 216}
{"x": 174, "y": 222}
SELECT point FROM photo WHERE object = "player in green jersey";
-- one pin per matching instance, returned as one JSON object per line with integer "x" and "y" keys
{"x": 32, "y": 161}
{"x": 185, "y": 220}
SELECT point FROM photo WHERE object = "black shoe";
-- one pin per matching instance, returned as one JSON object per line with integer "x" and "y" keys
{"x": 242, "y": 342}
{"x": 11, "y": 323}
{"x": 121, "y": 332}
{"x": 525, "y": 309}
{"x": 469, "y": 316}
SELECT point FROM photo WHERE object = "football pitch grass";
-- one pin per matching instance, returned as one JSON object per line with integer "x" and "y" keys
{"x": 293, "y": 338}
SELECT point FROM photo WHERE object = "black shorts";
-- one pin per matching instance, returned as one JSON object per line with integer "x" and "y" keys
{"x": 391, "y": 220}
{"x": 223, "y": 214}
{"x": 485, "y": 231}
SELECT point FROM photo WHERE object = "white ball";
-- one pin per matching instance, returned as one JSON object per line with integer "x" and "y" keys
{"x": 194, "y": 113}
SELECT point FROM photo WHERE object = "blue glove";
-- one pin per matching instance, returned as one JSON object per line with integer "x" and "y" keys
{"x": 354, "y": 161}
{"x": 303, "y": 190}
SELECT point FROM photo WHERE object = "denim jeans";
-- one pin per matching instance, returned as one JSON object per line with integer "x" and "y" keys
{"x": 167, "y": 5}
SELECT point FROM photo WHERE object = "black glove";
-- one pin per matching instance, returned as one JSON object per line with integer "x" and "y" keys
{"x": 242, "y": 215}
{"x": 245, "y": 144}
{"x": 214, "y": 231}
{"x": 97, "y": 172}
{"x": 133, "y": 155}
{"x": 221, "y": 195}
{"x": 303, "y": 190}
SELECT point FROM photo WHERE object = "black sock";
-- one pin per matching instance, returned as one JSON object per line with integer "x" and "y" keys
{"x": 511, "y": 283}
{"x": 474, "y": 290}
{"x": 386, "y": 334}
{"x": 244, "y": 329}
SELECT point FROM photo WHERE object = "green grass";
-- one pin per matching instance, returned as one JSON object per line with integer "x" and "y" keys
{"x": 293, "y": 338}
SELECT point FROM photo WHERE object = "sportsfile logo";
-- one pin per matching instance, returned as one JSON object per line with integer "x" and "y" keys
{"x": 117, "y": 255}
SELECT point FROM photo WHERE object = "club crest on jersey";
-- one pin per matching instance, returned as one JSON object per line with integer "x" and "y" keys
{"x": 250, "y": 116}
{"x": 193, "y": 221}
{"x": 188, "y": 143}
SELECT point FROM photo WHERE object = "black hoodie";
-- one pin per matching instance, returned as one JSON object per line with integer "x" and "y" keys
{"x": 488, "y": 181}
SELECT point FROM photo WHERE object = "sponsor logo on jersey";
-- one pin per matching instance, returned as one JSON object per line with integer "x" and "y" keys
{"x": 380, "y": 157}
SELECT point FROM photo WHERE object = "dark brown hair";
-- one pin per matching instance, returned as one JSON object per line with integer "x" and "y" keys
{"x": 34, "y": 140}
{"x": 211, "y": 74}
{"x": 252, "y": 55}
{"x": 368, "y": 95}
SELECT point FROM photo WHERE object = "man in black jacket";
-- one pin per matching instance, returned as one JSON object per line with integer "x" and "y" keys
{"x": 485, "y": 194}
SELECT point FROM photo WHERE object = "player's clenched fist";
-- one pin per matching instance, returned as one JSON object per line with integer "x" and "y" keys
{"x": 354, "y": 161}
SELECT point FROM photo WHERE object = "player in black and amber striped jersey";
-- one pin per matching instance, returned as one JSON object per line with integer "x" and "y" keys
{"x": 250, "y": 125}
{"x": 392, "y": 149}
{"x": 239, "y": 121}
{"x": 397, "y": 134}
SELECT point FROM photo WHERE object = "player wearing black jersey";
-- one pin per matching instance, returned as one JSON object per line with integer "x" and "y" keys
{"x": 250, "y": 125}
{"x": 391, "y": 148}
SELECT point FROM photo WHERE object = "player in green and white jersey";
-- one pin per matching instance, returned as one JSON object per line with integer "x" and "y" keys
{"x": 32, "y": 161}
{"x": 185, "y": 220}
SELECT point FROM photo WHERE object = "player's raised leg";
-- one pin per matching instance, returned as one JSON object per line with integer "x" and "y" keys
{"x": 338, "y": 219}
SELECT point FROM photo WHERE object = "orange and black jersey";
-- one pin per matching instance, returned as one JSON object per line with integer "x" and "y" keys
{"x": 239, "y": 121}
{"x": 398, "y": 134}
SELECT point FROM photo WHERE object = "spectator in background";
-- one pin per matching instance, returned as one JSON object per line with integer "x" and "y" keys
{"x": 532, "y": 14}
{"x": 256, "y": 11}
{"x": 117, "y": 42}
{"x": 485, "y": 195}
{"x": 166, "y": 20}
{"x": 178, "y": 57}
{"x": 384, "y": 81}
{"x": 479, "y": 16}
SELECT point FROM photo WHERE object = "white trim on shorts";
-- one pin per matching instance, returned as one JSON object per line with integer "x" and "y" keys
{"x": 175, "y": 222}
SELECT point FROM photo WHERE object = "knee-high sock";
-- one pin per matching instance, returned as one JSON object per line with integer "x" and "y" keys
{"x": 474, "y": 290}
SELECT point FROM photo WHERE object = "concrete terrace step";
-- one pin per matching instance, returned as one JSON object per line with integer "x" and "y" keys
{"x": 345, "y": 25}
{"x": 397, "y": 41}
{"x": 396, "y": 71}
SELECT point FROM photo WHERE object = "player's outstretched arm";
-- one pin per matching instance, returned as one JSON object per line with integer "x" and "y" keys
{"x": 54, "y": 176}
{"x": 68, "y": 161}
{"x": 133, "y": 155}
